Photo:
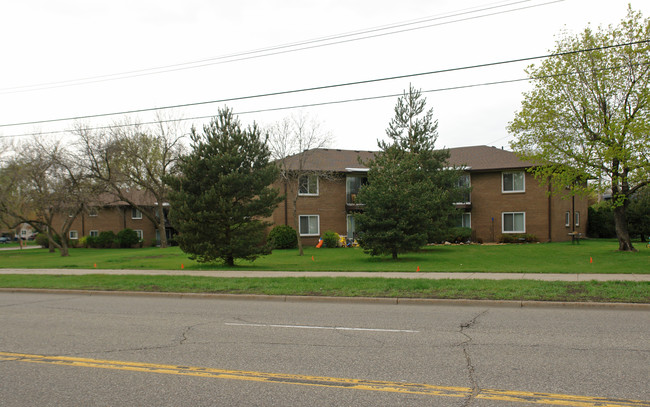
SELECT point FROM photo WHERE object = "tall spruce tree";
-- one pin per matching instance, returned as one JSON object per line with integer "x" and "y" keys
{"x": 222, "y": 192}
{"x": 410, "y": 192}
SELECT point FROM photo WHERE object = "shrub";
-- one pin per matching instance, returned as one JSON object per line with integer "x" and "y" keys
{"x": 517, "y": 238}
{"x": 91, "y": 241}
{"x": 331, "y": 239}
{"x": 601, "y": 220}
{"x": 127, "y": 238}
{"x": 459, "y": 234}
{"x": 106, "y": 239}
{"x": 42, "y": 240}
{"x": 283, "y": 237}
{"x": 83, "y": 241}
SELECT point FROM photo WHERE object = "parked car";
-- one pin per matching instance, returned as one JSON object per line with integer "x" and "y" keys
{"x": 4, "y": 239}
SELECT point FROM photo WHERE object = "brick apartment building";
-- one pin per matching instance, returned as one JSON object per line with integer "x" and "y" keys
{"x": 504, "y": 198}
{"x": 110, "y": 214}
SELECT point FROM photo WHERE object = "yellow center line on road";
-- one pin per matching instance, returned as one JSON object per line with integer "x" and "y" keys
{"x": 305, "y": 380}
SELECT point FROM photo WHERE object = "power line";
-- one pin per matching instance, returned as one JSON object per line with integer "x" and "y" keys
{"x": 274, "y": 109}
{"x": 315, "y": 88}
{"x": 280, "y": 49}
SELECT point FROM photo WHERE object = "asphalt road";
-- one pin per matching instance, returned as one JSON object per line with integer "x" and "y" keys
{"x": 60, "y": 349}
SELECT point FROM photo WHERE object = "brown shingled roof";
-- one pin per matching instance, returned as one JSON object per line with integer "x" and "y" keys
{"x": 476, "y": 158}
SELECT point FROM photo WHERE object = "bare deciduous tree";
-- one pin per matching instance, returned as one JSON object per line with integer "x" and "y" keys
{"x": 130, "y": 156}
{"x": 47, "y": 189}
{"x": 292, "y": 142}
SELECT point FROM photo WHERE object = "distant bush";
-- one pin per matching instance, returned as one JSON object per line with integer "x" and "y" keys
{"x": 331, "y": 239}
{"x": 91, "y": 241}
{"x": 517, "y": 238}
{"x": 459, "y": 235}
{"x": 127, "y": 238}
{"x": 601, "y": 220}
{"x": 42, "y": 240}
{"x": 106, "y": 239}
{"x": 283, "y": 237}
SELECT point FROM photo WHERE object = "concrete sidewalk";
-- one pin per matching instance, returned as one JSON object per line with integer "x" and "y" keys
{"x": 270, "y": 274}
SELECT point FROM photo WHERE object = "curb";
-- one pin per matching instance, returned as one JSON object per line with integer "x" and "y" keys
{"x": 343, "y": 300}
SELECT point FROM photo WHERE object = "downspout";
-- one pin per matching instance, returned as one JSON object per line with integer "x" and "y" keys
{"x": 573, "y": 211}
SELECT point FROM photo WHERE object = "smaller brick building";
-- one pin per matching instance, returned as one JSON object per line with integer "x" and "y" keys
{"x": 111, "y": 214}
{"x": 504, "y": 198}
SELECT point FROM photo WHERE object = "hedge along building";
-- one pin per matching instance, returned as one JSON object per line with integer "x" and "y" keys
{"x": 108, "y": 213}
{"x": 504, "y": 199}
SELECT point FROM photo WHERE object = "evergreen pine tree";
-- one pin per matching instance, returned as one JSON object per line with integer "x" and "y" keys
{"x": 223, "y": 192}
{"x": 410, "y": 192}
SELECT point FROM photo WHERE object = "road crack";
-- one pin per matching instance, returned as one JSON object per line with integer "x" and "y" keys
{"x": 471, "y": 371}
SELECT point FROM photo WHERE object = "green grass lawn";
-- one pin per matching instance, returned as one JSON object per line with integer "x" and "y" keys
{"x": 516, "y": 258}
{"x": 519, "y": 290}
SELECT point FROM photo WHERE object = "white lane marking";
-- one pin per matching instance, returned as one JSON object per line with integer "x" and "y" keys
{"x": 332, "y": 328}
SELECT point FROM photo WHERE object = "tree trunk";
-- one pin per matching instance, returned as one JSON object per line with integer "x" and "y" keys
{"x": 230, "y": 261}
{"x": 620, "y": 223}
{"x": 161, "y": 225}
{"x": 394, "y": 254}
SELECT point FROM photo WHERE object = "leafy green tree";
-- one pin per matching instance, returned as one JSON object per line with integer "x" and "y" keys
{"x": 221, "y": 195}
{"x": 588, "y": 115}
{"x": 410, "y": 192}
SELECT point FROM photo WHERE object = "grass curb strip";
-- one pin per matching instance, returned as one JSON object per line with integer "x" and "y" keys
{"x": 346, "y": 300}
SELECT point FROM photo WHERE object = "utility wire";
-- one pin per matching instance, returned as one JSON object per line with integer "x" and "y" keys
{"x": 502, "y": 82}
{"x": 280, "y": 49}
{"x": 273, "y": 109}
{"x": 315, "y": 88}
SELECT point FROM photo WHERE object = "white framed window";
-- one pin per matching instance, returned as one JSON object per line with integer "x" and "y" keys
{"x": 74, "y": 235}
{"x": 139, "y": 233}
{"x": 513, "y": 182}
{"x": 567, "y": 219}
{"x": 308, "y": 185}
{"x": 136, "y": 214}
{"x": 464, "y": 181}
{"x": 309, "y": 225}
{"x": 92, "y": 212}
{"x": 23, "y": 232}
{"x": 513, "y": 222}
{"x": 576, "y": 217}
{"x": 93, "y": 233}
{"x": 464, "y": 220}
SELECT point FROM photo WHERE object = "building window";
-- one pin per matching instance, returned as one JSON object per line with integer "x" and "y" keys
{"x": 352, "y": 186}
{"x": 309, "y": 225}
{"x": 74, "y": 235}
{"x": 577, "y": 218}
{"x": 567, "y": 219}
{"x": 93, "y": 233}
{"x": 139, "y": 233}
{"x": 136, "y": 214}
{"x": 513, "y": 182}
{"x": 513, "y": 222}
{"x": 464, "y": 220}
{"x": 308, "y": 185}
{"x": 464, "y": 184}
{"x": 92, "y": 212}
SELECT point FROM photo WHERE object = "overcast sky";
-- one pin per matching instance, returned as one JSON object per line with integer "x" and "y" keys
{"x": 71, "y": 58}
